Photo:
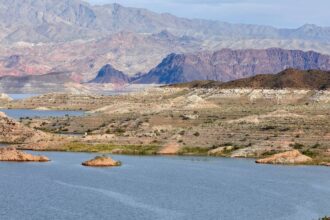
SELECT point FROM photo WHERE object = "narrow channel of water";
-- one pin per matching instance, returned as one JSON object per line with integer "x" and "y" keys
{"x": 3, "y": 145}
{"x": 23, "y": 113}
{"x": 21, "y": 96}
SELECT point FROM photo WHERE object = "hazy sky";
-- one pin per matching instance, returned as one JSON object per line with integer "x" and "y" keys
{"x": 280, "y": 13}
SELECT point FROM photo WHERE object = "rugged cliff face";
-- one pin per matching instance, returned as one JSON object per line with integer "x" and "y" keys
{"x": 225, "y": 65}
{"x": 108, "y": 74}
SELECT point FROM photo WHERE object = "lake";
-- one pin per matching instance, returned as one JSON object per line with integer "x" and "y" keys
{"x": 23, "y": 113}
{"x": 166, "y": 188}
{"x": 21, "y": 96}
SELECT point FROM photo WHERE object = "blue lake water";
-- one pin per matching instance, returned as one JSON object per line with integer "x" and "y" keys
{"x": 21, "y": 96}
{"x": 166, "y": 188}
{"x": 22, "y": 113}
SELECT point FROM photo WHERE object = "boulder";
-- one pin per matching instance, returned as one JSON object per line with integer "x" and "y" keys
{"x": 101, "y": 161}
{"x": 289, "y": 157}
{"x": 12, "y": 155}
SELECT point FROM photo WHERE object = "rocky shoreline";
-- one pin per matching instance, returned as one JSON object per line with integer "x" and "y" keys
{"x": 10, "y": 154}
{"x": 291, "y": 157}
{"x": 234, "y": 123}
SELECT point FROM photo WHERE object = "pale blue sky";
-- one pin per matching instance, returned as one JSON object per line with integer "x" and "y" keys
{"x": 280, "y": 13}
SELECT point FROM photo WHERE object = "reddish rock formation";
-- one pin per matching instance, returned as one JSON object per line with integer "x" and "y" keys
{"x": 101, "y": 162}
{"x": 13, "y": 155}
{"x": 14, "y": 132}
{"x": 289, "y": 157}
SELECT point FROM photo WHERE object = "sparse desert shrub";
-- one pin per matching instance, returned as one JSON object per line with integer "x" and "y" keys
{"x": 284, "y": 129}
{"x": 182, "y": 132}
{"x": 267, "y": 128}
{"x": 108, "y": 148}
{"x": 119, "y": 131}
{"x": 309, "y": 153}
{"x": 196, "y": 134}
{"x": 184, "y": 117}
{"x": 297, "y": 146}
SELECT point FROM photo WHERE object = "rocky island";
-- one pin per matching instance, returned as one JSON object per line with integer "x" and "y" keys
{"x": 10, "y": 154}
{"x": 102, "y": 161}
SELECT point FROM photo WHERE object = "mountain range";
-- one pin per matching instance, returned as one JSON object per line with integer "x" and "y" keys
{"x": 108, "y": 74}
{"x": 63, "y": 20}
{"x": 226, "y": 65}
{"x": 38, "y": 37}
{"x": 289, "y": 78}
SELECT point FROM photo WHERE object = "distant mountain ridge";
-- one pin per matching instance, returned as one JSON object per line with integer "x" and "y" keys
{"x": 289, "y": 78}
{"x": 226, "y": 65}
{"x": 223, "y": 66}
{"x": 42, "y": 36}
{"x": 108, "y": 74}
{"x": 65, "y": 20}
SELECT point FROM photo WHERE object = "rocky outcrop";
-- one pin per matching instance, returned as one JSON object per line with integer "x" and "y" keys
{"x": 289, "y": 157}
{"x": 14, "y": 132}
{"x": 101, "y": 161}
{"x": 108, "y": 74}
{"x": 5, "y": 98}
{"x": 13, "y": 155}
{"x": 226, "y": 65}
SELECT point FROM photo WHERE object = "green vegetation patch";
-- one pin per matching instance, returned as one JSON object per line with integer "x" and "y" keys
{"x": 198, "y": 151}
{"x": 110, "y": 148}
